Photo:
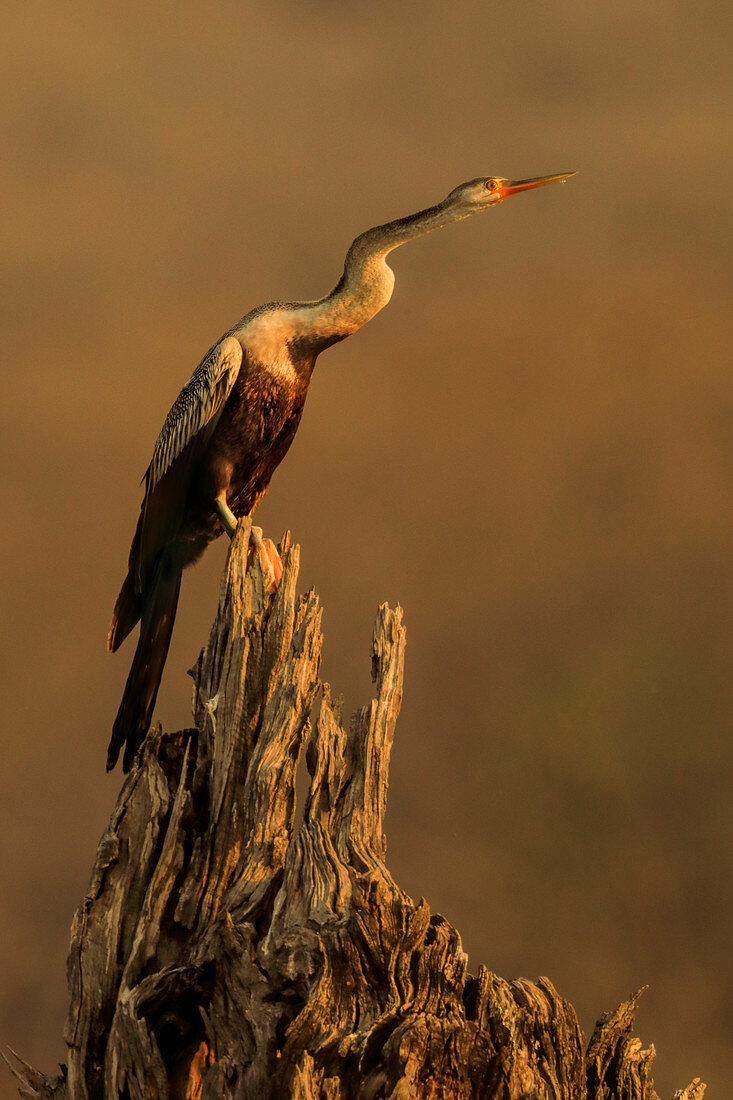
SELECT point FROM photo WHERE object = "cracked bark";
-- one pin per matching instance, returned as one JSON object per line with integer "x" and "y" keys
{"x": 221, "y": 952}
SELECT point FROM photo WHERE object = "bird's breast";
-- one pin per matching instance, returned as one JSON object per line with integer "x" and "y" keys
{"x": 262, "y": 405}
{"x": 266, "y": 341}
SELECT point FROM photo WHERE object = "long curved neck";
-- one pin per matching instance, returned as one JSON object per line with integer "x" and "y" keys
{"x": 367, "y": 282}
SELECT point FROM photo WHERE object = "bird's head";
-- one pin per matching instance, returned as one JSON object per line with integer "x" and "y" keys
{"x": 490, "y": 191}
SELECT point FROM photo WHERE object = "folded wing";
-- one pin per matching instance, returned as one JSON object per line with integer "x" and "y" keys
{"x": 184, "y": 435}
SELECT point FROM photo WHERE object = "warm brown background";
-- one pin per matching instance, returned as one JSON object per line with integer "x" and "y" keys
{"x": 530, "y": 450}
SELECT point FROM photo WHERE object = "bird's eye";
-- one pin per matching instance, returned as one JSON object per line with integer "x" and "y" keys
{"x": 491, "y": 184}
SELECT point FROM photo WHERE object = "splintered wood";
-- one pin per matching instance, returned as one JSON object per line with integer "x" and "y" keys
{"x": 221, "y": 952}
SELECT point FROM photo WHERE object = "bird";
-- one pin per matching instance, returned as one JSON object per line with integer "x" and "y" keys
{"x": 231, "y": 426}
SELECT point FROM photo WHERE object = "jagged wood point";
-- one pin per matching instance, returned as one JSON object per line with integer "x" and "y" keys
{"x": 223, "y": 952}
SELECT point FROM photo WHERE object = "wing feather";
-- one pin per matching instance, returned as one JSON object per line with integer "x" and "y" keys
{"x": 187, "y": 427}
{"x": 199, "y": 402}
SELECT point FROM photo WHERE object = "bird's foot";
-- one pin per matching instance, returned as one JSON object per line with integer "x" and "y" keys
{"x": 270, "y": 560}
{"x": 226, "y": 516}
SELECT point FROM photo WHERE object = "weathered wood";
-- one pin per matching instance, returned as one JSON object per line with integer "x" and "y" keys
{"x": 221, "y": 952}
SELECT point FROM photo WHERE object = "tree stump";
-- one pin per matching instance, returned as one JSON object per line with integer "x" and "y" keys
{"x": 223, "y": 952}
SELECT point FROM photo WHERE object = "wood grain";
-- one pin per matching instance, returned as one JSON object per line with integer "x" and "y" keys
{"x": 221, "y": 952}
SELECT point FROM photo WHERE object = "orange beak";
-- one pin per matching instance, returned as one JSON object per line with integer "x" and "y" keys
{"x": 513, "y": 187}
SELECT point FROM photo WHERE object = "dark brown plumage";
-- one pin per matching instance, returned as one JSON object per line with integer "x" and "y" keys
{"x": 233, "y": 452}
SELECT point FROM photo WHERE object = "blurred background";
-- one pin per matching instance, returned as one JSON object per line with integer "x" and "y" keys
{"x": 530, "y": 450}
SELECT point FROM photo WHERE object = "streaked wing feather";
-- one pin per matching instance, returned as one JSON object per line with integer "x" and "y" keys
{"x": 190, "y": 422}
{"x": 200, "y": 400}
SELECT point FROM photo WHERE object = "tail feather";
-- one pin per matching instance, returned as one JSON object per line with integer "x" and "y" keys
{"x": 158, "y": 605}
{"x": 126, "y": 614}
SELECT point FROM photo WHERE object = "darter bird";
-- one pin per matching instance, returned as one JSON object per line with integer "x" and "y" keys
{"x": 233, "y": 423}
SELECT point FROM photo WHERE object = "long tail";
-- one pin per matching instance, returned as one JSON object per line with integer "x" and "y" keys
{"x": 127, "y": 613}
{"x": 158, "y": 605}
